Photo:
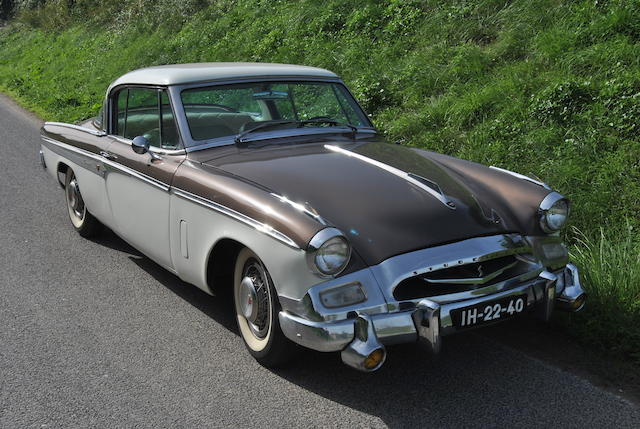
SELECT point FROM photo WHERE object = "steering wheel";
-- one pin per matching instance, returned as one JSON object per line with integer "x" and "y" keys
{"x": 326, "y": 119}
{"x": 225, "y": 108}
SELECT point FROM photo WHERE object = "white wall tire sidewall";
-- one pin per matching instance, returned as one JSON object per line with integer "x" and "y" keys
{"x": 77, "y": 222}
{"x": 254, "y": 343}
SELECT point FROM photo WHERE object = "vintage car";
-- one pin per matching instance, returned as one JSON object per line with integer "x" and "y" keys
{"x": 269, "y": 181}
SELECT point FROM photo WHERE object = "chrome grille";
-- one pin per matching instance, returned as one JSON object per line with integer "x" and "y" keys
{"x": 461, "y": 278}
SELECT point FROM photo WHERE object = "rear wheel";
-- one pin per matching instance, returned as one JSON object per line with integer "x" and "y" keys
{"x": 83, "y": 221}
{"x": 257, "y": 309}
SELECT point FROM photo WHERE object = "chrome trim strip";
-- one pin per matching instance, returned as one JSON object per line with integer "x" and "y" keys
{"x": 148, "y": 179}
{"x": 264, "y": 228}
{"x": 77, "y": 127}
{"x": 521, "y": 176}
{"x": 302, "y": 208}
{"x": 395, "y": 171}
{"x": 473, "y": 280}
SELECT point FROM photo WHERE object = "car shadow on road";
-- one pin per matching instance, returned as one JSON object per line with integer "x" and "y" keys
{"x": 476, "y": 381}
{"x": 219, "y": 308}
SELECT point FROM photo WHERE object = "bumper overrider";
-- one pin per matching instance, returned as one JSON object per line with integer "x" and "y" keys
{"x": 361, "y": 334}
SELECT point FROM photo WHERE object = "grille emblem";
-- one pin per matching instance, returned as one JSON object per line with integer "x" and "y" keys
{"x": 480, "y": 272}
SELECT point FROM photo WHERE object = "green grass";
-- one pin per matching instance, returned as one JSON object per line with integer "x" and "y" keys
{"x": 543, "y": 87}
{"x": 611, "y": 268}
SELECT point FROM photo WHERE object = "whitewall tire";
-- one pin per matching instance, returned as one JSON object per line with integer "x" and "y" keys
{"x": 256, "y": 305}
{"x": 83, "y": 221}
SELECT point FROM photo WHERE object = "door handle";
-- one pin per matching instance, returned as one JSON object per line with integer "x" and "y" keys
{"x": 108, "y": 155}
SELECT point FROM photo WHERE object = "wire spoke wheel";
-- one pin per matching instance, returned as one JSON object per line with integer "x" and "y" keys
{"x": 255, "y": 298}
{"x": 257, "y": 307}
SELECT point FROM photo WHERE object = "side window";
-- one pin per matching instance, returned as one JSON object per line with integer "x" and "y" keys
{"x": 146, "y": 112}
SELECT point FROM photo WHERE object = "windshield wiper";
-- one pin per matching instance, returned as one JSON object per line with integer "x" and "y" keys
{"x": 299, "y": 124}
{"x": 331, "y": 121}
{"x": 261, "y": 126}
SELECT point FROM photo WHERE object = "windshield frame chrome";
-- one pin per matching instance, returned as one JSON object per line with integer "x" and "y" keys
{"x": 190, "y": 144}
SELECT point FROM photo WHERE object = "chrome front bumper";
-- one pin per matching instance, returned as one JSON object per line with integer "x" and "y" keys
{"x": 428, "y": 321}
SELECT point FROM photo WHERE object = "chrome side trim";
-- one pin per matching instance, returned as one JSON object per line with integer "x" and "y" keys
{"x": 95, "y": 157}
{"x": 303, "y": 208}
{"x": 78, "y": 127}
{"x": 395, "y": 171}
{"x": 259, "y": 226}
{"x": 521, "y": 176}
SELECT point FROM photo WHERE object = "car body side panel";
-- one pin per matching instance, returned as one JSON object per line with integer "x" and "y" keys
{"x": 206, "y": 227}
{"x": 140, "y": 203}
{"x": 249, "y": 198}
{"x": 79, "y": 150}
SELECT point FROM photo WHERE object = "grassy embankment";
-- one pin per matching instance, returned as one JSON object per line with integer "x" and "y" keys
{"x": 543, "y": 87}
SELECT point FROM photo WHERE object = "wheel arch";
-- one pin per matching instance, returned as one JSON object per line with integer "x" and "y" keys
{"x": 220, "y": 264}
{"x": 61, "y": 170}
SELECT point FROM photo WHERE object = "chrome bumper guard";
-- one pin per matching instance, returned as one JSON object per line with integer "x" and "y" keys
{"x": 428, "y": 322}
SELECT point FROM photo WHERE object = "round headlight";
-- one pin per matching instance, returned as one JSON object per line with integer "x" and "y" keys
{"x": 329, "y": 252}
{"x": 554, "y": 211}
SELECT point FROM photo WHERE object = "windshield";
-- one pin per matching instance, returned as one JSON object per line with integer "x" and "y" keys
{"x": 228, "y": 110}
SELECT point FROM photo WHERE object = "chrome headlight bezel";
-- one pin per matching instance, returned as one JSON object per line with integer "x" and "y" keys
{"x": 552, "y": 200}
{"x": 316, "y": 244}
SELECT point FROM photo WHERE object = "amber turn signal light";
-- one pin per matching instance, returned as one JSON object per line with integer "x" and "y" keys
{"x": 374, "y": 359}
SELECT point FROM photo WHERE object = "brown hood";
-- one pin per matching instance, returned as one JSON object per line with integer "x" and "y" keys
{"x": 368, "y": 197}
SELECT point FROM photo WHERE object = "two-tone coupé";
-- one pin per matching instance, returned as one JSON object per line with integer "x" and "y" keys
{"x": 270, "y": 182}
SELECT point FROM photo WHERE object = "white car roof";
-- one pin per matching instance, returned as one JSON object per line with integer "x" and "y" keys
{"x": 177, "y": 74}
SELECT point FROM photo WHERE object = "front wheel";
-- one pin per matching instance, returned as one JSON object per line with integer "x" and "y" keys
{"x": 83, "y": 221}
{"x": 257, "y": 308}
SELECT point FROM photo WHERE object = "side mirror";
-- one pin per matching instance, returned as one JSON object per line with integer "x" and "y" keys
{"x": 140, "y": 145}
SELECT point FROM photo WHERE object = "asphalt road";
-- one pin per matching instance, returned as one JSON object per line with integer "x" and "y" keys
{"x": 93, "y": 334}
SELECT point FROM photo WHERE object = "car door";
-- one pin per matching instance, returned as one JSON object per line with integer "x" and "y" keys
{"x": 138, "y": 184}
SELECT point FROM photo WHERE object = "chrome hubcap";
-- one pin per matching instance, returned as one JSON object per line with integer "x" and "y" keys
{"x": 248, "y": 299}
{"x": 254, "y": 299}
{"x": 76, "y": 204}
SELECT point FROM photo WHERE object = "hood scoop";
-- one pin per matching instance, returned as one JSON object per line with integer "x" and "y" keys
{"x": 426, "y": 185}
{"x": 435, "y": 187}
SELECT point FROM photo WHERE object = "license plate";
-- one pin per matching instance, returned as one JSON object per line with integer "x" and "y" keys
{"x": 488, "y": 312}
